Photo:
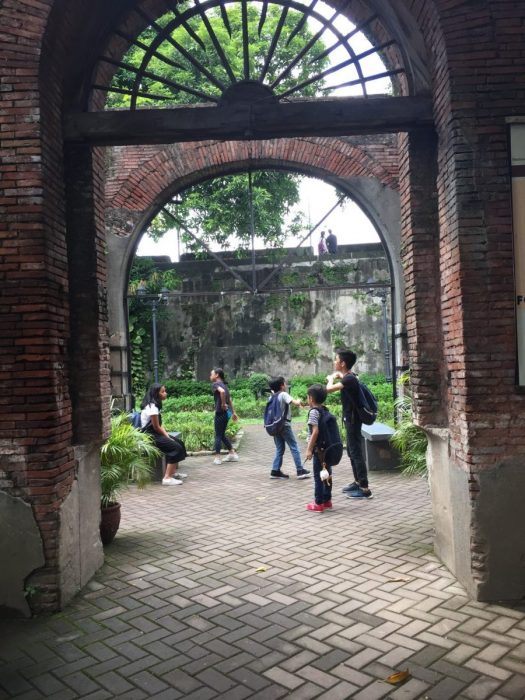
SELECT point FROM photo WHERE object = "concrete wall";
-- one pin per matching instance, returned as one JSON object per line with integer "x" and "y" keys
{"x": 291, "y": 332}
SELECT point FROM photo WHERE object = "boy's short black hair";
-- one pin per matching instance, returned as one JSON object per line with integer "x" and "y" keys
{"x": 318, "y": 393}
{"x": 347, "y": 356}
{"x": 276, "y": 383}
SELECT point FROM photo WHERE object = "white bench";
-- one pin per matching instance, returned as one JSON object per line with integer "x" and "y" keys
{"x": 378, "y": 451}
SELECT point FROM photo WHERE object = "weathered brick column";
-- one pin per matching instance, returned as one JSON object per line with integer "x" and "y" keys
{"x": 478, "y": 460}
{"x": 49, "y": 480}
{"x": 420, "y": 260}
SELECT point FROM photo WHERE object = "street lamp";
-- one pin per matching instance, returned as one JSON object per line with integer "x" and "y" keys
{"x": 382, "y": 294}
{"x": 154, "y": 301}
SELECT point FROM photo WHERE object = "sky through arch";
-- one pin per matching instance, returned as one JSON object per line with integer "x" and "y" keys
{"x": 348, "y": 221}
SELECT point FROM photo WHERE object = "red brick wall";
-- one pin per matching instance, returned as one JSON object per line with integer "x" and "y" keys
{"x": 139, "y": 176}
{"x": 420, "y": 258}
{"x": 35, "y": 428}
{"x": 36, "y": 432}
{"x": 479, "y": 68}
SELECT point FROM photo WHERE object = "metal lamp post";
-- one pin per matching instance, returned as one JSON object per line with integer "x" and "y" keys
{"x": 154, "y": 302}
{"x": 382, "y": 294}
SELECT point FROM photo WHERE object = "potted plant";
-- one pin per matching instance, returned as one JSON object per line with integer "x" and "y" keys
{"x": 127, "y": 455}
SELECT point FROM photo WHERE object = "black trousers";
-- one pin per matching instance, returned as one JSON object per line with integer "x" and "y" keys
{"x": 355, "y": 451}
{"x": 220, "y": 425}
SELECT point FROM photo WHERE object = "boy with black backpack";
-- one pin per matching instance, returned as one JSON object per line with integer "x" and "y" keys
{"x": 282, "y": 429}
{"x": 324, "y": 446}
{"x": 354, "y": 414}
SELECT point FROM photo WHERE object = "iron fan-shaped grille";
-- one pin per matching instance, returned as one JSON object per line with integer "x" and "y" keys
{"x": 201, "y": 52}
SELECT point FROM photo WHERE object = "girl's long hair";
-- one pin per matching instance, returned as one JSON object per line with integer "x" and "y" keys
{"x": 220, "y": 372}
{"x": 152, "y": 396}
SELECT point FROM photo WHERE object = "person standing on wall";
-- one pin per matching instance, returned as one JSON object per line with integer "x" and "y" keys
{"x": 223, "y": 412}
{"x": 345, "y": 381}
{"x": 321, "y": 246}
{"x": 331, "y": 242}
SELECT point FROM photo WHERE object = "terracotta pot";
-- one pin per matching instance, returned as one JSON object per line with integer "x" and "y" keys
{"x": 109, "y": 522}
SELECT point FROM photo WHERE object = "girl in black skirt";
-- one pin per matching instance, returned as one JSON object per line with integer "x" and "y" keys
{"x": 151, "y": 422}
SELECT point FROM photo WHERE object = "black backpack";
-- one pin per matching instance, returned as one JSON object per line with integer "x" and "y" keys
{"x": 274, "y": 416}
{"x": 366, "y": 406}
{"x": 329, "y": 438}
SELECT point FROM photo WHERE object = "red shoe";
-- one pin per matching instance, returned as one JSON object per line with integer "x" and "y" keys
{"x": 315, "y": 507}
{"x": 328, "y": 504}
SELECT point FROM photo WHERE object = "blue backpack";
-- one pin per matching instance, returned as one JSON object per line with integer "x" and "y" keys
{"x": 134, "y": 419}
{"x": 366, "y": 406}
{"x": 274, "y": 416}
{"x": 329, "y": 438}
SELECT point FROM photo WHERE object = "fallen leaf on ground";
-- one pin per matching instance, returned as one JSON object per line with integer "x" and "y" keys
{"x": 397, "y": 677}
{"x": 398, "y": 580}
{"x": 261, "y": 569}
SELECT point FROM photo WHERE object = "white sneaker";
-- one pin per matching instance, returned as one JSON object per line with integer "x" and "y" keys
{"x": 232, "y": 457}
{"x": 217, "y": 460}
{"x": 171, "y": 482}
{"x": 180, "y": 475}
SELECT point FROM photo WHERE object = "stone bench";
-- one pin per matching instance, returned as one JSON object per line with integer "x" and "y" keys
{"x": 378, "y": 451}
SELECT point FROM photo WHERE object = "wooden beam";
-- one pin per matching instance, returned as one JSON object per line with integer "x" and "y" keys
{"x": 261, "y": 120}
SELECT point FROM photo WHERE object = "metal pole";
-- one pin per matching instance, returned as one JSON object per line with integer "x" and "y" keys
{"x": 388, "y": 374}
{"x": 155, "y": 352}
{"x": 252, "y": 229}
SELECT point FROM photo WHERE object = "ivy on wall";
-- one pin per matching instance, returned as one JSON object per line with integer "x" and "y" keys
{"x": 298, "y": 345}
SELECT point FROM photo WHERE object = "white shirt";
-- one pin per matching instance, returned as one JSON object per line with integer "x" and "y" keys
{"x": 146, "y": 413}
{"x": 285, "y": 400}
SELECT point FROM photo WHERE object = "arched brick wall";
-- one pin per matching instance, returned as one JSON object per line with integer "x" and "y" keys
{"x": 141, "y": 180}
{"x": 457, "y": 244}
{"x": 138, "y": 176}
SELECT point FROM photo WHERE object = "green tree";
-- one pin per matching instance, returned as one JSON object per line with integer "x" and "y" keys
{"x": 143, "y": 272}
{"x": 219, "y": 211}
{"x": 170, "y": 61}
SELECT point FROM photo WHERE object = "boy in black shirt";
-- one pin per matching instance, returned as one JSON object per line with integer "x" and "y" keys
{"x": 345, "y": 381}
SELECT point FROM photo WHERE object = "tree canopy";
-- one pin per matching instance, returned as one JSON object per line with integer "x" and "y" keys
{"x": 187, "y": 61}
{"x": 218, "y": 211}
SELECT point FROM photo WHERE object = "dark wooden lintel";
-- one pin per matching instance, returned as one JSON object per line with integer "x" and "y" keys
{"x": 264, "y": 120}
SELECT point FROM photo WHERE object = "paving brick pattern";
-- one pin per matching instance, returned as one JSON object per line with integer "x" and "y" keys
{"x": 179, "y": 609}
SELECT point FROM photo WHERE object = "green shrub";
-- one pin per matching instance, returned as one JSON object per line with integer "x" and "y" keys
{"x": 186, "y": 387}
{"x": 196, "y": 428}
{"x": 249, "y": 407}
{"x": 239, "y": 383}
{"x": 410, "y": 439}
{"x": 190, "y": 407}
{"x": 258, "y": 384}
{"x": 238, "y": 394}
{"x": 198, "y": 402}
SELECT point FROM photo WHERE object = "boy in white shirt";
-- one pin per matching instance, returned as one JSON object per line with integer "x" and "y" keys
{"x": 286, "y": 435}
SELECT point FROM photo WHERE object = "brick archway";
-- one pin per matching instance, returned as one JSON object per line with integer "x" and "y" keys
{"x": 141, "y": 180}
{"x": 457, "y": 249}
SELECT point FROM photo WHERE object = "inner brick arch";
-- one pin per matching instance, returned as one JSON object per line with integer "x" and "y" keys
{"x": 140, "y": 181}
{"x": 137, "y": 174}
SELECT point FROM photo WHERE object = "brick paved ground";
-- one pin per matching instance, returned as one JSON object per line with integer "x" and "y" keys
{"x": 179, "y": 610}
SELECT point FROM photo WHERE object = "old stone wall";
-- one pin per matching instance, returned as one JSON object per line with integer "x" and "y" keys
{"x": 288, "y": 330}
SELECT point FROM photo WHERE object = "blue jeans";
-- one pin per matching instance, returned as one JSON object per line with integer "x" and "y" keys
{"x": 286, "y": 437}
{"x": 220, "y": 424}
{"x": 322, "y": 489}
{"x": 355, "y": 451}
